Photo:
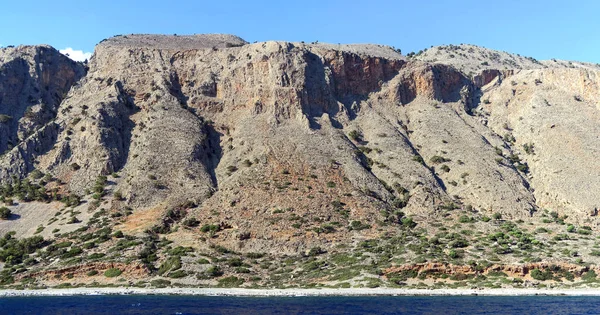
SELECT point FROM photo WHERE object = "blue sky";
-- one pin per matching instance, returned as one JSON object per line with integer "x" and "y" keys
{"x": 541, "y": 29}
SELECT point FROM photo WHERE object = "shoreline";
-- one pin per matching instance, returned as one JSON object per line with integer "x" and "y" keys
{"x": 239, "y": 292}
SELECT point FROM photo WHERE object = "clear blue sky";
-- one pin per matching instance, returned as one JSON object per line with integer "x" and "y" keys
{"x": 541, "y": 29}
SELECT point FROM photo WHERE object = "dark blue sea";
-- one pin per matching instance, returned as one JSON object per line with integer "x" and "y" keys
{"x": 150, "y": 304}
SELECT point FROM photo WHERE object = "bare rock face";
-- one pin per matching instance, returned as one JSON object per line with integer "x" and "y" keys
{"x": 33, "y": 82}
{"x": 342, "y": 133}
{"x": 553, "y": 116}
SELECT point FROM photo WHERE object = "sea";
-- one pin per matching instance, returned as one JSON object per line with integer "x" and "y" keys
{"x": 180, "y": 305}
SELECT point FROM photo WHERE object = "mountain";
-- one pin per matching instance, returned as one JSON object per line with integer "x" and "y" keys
{"x": 207, "y": 160}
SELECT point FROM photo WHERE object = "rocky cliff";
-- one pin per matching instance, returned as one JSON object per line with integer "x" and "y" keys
{"x": 281, "y": 147}
{"x": 33, "y": 82}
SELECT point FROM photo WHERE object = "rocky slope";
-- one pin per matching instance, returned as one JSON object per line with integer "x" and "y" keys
{"x": 281, "y": 148}
{"x": 33, "y": 82}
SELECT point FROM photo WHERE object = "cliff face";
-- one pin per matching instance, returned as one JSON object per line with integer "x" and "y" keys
{"x": 33, "y": 82}
{"x": 242, "y": 130}
{"x": 555, "y": 113}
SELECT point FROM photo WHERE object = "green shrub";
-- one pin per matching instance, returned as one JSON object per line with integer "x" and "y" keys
{"x": 529, "y": 148}
{"x": 523, "y": 167}
{"x": 418, "y": 159}
{"x": 203, "y": 261}
{"x": 112, "y": 272}
{"x": 255, "y": 255}
{"x": 541, "y": 275}
{"x": 436, "y": 159}
{"x": 214, "y": 271}
{"x": 452, "y": 254}
{"x": 96, "y": 255}
{"x": 589, "y": 276}
{"x": 235, "y": 262}
{"x": 171, "y": 264}
{"x": 325, "y": 228}
{"x": 465, "y": 219}
{"x": 212, "y": 228}
{"x": 496, "y": 274}
{"x": 191, "y": 222}
{"x": 5, "y": 213}
{"x": 71, "y": 200}
{"x": 75, "y": 251}
{"x": 160, "y": 283}
{"x": 358, "y": 226}
{"x": 64, "y": 244}
{"x": 315, "y": 251}
{"x": 401, "y": 276}
{"x": 36, "y": 174}
{"x": 231, "y": 281}
{"x": 92, "y": 273}
{"x": 177, "y": 274}
{"x": 180, "y": 251}
{"x": 73, "y": 220}
{"x": 408, "y": 222}
{"x": 584, "y": 231}
{"x": 118, "y": 195}
{"x": 355, "y": 135}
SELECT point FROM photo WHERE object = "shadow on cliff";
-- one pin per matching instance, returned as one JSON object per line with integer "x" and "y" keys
{"x": 317, "y": 97}
{"x": 119, "y": 129}
{"x": 332, "y": 89}
{"x": 211, "y": 152}
{"x": 13, "y": 102}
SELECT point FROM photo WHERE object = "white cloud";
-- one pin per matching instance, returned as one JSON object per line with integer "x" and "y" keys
{"x": 77, "y": 55}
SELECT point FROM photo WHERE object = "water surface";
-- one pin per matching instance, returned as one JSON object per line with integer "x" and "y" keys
{"x": 155, "y": 304}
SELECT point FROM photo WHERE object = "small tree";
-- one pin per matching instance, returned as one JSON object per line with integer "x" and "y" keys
{"x": 5, "y": 213}
{"x": 355, "y": 135}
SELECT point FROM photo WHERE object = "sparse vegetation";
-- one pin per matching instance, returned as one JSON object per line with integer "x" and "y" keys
{"x": 112, "y": 272}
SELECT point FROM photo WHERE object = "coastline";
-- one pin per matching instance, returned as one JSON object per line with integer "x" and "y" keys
{"x": 240, "y": 292}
